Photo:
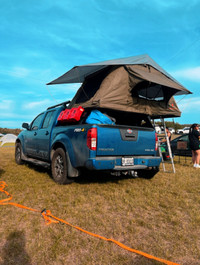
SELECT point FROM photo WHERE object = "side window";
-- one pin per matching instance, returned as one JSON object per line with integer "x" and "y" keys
{"x": 36, "y": 123}
{"x": 48, "y": 119}
{"x": 182, "y": 138}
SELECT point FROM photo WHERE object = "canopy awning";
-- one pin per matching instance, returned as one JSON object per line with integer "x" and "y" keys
{"x": 78, "y": 74}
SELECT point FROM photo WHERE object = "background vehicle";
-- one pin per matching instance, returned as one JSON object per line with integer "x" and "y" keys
{"x": 184, "y": 130}
{"x": 157, "y": 129}
{"x": 179, "y": 146}
{"x": 71, "y": 146}
{"x": 172, "y": 131}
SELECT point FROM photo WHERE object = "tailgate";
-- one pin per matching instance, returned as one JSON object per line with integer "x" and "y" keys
{"x": 120, "y": 140}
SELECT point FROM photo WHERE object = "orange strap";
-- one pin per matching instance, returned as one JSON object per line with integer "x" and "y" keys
{"x": 49, "y": 218}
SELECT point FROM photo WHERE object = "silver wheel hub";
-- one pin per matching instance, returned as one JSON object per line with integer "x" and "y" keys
{"x": 59, "y": 166}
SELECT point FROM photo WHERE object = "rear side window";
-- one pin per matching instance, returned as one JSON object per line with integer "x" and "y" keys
{"x": 48, "y": 119}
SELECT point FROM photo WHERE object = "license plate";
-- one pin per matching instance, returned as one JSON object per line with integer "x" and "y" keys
{"x": 127, "y": 161}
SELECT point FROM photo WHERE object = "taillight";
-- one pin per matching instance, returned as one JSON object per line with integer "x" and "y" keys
{"x": 156, "y": 142}
{"x": 92, "y": 139}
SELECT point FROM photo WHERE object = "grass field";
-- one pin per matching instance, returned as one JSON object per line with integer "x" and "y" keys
{"x": 7, "y": 144}
{"x": 159, "y": 216}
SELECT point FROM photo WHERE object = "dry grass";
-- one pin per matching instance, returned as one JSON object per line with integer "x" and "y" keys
{"x": 7, "y": 144}
{"x": 159, "y": 216}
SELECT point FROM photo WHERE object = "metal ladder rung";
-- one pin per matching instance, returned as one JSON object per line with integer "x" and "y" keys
{"x": 169, "y": 150}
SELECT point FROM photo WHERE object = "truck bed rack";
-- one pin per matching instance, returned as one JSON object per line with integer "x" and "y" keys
{"x": 60, "y": 104}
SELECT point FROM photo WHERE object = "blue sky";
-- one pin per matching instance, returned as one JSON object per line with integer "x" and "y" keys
{"x": 42, "y": 39}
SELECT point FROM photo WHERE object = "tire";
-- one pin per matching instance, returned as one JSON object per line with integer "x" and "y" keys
{"x": 59, "y": 167}
{"x": 18, "y": 154}
{"x": 148, "y": 173}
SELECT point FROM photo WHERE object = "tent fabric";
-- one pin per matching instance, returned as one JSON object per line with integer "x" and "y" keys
{"x": 153, "y": 75}
{"x": 8, "y": 138}
{"x": 134, "y": 84}
{"x": 115, "y": 92}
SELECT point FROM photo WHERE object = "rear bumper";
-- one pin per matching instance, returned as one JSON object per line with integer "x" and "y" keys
{"x": 115, "y": 163}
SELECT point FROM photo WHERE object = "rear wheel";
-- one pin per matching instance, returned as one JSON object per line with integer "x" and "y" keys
{"x": 18, "y": 154}
{"x": 59, "y": 167}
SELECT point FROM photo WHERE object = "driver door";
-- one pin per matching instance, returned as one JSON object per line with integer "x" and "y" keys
{"x": 43, "y": 136}
{"x": 30, "y": 138}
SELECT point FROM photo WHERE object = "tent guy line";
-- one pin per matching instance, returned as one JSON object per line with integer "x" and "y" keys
{"x": 181, "y": 51}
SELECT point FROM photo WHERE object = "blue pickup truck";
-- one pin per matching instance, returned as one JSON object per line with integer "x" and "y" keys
{"x": 128, "y": 145}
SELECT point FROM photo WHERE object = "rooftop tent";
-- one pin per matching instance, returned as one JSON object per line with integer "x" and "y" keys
{"x": 134, "y": 84}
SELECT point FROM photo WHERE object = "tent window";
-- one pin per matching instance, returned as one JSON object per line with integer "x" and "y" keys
{"x": 149, "y": 91}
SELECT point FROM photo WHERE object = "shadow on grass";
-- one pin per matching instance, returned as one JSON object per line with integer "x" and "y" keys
{"x": 86, "y": 176}
{"x": 100, "y": 177}
{"x": 14, "y": 252}
{"x": 41, "y": 167}
{"x": 1, "y": 172}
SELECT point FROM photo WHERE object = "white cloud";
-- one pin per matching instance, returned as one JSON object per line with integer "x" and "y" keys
{"x": 28, "y": 93}
{"x": 10, "y": 124}
{"x": 64, "y": 89}
{"x": 5, "y": 104}
{"x": 37, "y": 104}
{"x": 192, "y": 74}
{"x": 189, "y": 104}
{"x": 8, "y": 114}
{"x": 20, "y": 72}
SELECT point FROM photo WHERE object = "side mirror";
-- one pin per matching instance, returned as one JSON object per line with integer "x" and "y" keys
{"x": 25, "y": 126}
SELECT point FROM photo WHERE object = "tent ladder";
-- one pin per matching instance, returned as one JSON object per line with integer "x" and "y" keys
{"x": 169, "y": 148}
{"x": 160, "y": 154}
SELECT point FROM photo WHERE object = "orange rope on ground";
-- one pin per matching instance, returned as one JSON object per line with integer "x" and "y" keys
{"x": 5, "y": 201}
{"x": 49, "y": 218}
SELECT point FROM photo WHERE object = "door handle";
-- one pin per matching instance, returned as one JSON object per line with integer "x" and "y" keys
{"x": 35, "y": 133}
{"x": 46, "y": 133}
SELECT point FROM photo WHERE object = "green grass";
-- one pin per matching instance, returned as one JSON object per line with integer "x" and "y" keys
{"x": 159, "y": 216}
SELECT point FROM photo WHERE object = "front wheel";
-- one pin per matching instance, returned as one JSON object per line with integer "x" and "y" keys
{"x": 18, "y": 154}
{"x": 59, "y": 167}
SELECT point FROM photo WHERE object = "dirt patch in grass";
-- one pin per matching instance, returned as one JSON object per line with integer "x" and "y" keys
{"x": 159, "y": 216}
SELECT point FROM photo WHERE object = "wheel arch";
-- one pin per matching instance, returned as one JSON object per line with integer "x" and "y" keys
{"x": 56, "y": 146}
{"x": 72, "y": 171}
{"x": 18, "y": 141}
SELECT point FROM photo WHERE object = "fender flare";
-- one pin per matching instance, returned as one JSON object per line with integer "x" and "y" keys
{"x": 63, "y": 142}
{"x": 18, "y": 140}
